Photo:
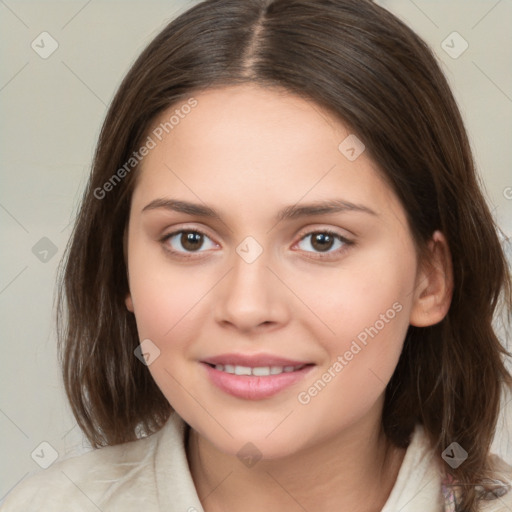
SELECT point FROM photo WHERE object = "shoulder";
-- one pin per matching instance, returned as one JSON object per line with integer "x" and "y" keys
{"x": 499, "y": 499}
{"x": 494, "y": 494}
{"x": 91, "y": 480}
{"x": 423, "y": 474}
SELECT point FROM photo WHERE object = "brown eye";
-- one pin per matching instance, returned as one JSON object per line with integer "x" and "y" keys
{"x": 187, "y": 241}
{"x": 191, "y": 240}
{"x": 322, "y": 241}
{"x": 326, "y": 242}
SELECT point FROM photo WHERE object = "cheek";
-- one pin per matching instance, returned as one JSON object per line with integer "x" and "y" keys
{"x": 169, "y": 307}
{"x": 166, "y": 305}
{"x": 164, "y": 295}
{"x": 360, "y": 358}
{"x": 367, "y": 298}
{"x": 367, "y": 306}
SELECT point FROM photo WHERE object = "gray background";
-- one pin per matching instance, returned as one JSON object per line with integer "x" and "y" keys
{"x": 51, "y": 111}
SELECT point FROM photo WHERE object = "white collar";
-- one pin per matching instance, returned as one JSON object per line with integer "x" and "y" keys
{"x": 417, "y": 488}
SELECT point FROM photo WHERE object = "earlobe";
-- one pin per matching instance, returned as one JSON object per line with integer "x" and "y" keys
{"x": 434, "y": 285}
{"x": 129, "y": 303}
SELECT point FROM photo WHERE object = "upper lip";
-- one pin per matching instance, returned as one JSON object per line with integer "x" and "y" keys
{"x": 253, "y": 360}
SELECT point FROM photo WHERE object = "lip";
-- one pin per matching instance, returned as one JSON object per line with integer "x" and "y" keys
{"x": 253, "y": 360}
{"x": 252, "y": 387}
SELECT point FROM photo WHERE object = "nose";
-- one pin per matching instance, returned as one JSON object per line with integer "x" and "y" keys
{"x": 251, "y": 298}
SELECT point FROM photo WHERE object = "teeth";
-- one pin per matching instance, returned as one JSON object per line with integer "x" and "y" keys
{"x": 242, "y": 370}
{"x": 259, "y": 371}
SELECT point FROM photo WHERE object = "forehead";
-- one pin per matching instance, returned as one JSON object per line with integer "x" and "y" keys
{"x": 249, "y": 120}
{"x": 248, "y": 143}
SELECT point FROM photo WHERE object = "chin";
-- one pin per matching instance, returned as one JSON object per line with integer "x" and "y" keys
{"x": 251, "y": 449}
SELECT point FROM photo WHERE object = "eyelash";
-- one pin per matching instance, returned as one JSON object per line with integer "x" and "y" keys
{"x": 318, "y": 255}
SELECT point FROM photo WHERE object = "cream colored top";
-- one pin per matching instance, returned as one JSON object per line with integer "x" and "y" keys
{"x": 152, "y": 475}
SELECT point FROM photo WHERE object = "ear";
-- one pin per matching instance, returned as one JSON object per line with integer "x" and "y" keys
{"x": 128, "y": 299}
{"x": 434, "y": 284}
{"x": 129, "y": 303}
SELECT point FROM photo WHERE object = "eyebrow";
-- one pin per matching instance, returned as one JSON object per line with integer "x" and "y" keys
{"x": 289, "y": 212}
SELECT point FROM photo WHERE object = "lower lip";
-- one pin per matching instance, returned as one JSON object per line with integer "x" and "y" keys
{"x": 254, "y": 387}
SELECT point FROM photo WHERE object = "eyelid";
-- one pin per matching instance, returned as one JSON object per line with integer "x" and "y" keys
{"x": 186, "y": 229}
{"x": 181, "y": 228}
{"x": 321, "y": 229}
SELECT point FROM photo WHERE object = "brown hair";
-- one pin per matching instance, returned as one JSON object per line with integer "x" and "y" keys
{"x": 361, "y": 63}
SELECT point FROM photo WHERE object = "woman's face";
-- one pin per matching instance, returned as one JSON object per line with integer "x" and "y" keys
{"x": 242, "y": 253}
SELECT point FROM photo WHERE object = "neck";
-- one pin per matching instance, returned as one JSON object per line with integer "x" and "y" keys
{"x": 354, "y": 470}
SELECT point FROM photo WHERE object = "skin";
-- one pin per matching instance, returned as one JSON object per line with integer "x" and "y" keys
{"x": 248, "y": 152}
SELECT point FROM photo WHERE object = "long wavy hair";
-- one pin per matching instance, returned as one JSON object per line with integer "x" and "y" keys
{"x": 361, "y": 63}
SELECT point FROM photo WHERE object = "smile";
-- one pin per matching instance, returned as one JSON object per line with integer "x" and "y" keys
{"x": 255, "y": 382}
{"x": 259, "y": 371}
